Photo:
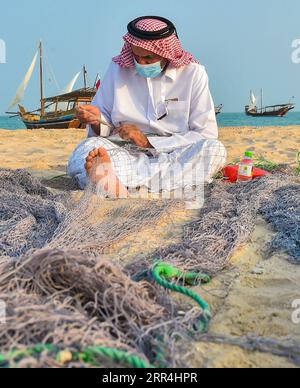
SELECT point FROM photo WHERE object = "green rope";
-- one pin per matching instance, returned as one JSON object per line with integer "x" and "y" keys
{"x": 56, "y": 177}
{"x": 89, "y": 356}
{"x": 29, "y": 352}
{"x": 164, "y": 273}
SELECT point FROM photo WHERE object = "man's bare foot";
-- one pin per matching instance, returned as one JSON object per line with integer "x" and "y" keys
{"x": 100, "y": 171}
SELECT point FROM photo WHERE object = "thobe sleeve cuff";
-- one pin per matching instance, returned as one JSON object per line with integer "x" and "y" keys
{"x": 104, "y": 130}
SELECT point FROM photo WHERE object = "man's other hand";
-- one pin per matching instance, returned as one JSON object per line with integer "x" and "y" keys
{"x": 135, "y": 135}
{"x": 87, "y": 114}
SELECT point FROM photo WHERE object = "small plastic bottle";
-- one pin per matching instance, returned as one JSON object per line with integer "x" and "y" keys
{"x": 245, "y": 173}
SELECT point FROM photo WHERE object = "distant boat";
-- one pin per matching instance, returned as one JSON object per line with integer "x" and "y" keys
{"x": 272, "y": 110}
{"x": 55, "y": 112}
{"x": 218, "y": 109}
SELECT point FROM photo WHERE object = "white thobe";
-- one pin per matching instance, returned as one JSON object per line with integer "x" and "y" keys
{"x": 185, "y": 138}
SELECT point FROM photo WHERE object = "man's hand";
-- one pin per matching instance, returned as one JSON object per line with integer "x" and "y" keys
{"x": 87, "y": 114}
{"x": 133, "y": 133}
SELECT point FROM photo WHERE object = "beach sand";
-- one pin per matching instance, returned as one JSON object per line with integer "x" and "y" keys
{"x": 254, "y": 296}
{"x": 46, "y": 153}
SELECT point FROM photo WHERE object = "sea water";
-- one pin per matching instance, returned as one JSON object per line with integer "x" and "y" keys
{"x": 11, "y": 123}
{"x": 224, "y": 120}
{"x": 242, "y": 120}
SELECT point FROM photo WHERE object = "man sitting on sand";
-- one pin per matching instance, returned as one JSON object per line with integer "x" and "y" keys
{"x": 155, "y": 96}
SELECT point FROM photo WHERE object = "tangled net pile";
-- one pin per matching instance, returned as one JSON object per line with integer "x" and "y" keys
{"x": 61, "y": 290}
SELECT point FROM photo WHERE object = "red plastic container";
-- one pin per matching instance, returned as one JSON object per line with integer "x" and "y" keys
{"x": 231, "y": 173}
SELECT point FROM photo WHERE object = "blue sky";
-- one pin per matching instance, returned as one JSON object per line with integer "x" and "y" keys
{"x": 242, "y": 48}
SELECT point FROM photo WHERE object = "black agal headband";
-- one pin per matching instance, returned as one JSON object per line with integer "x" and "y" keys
{"x": 151, "y": 35}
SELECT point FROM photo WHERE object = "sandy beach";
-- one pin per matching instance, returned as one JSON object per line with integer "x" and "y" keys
{"x": 256, "y": 293}
{"x": 46, "y": 153}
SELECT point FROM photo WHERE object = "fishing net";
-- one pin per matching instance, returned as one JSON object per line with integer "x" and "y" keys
{"x": 228, "y": 218}
{"x": 283, "y": 212}
{"x": 29, "y": 213}
{"x": 63, "y": 286}
{"x": 285, "y": 347}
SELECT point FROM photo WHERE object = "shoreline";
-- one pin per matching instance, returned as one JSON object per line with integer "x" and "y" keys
{"x": 221, "y": 127}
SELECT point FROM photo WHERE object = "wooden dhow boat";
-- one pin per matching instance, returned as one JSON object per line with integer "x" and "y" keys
{"x": 273, "y": 110}
{"x": 57, "y": 112}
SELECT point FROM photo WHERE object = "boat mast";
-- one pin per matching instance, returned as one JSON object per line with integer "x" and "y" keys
{"x": 84, "y": 77}
{"x": 41, "y": 79}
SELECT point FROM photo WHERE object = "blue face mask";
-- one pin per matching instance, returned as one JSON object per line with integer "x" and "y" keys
{"x": 148, "y": 71}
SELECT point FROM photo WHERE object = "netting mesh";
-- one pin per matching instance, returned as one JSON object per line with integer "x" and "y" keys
{"x": 228, "y": 218}
{"x": 283, "y": 212}
{"x": 29, "y": 213}
{"x": 60, "y": 285}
